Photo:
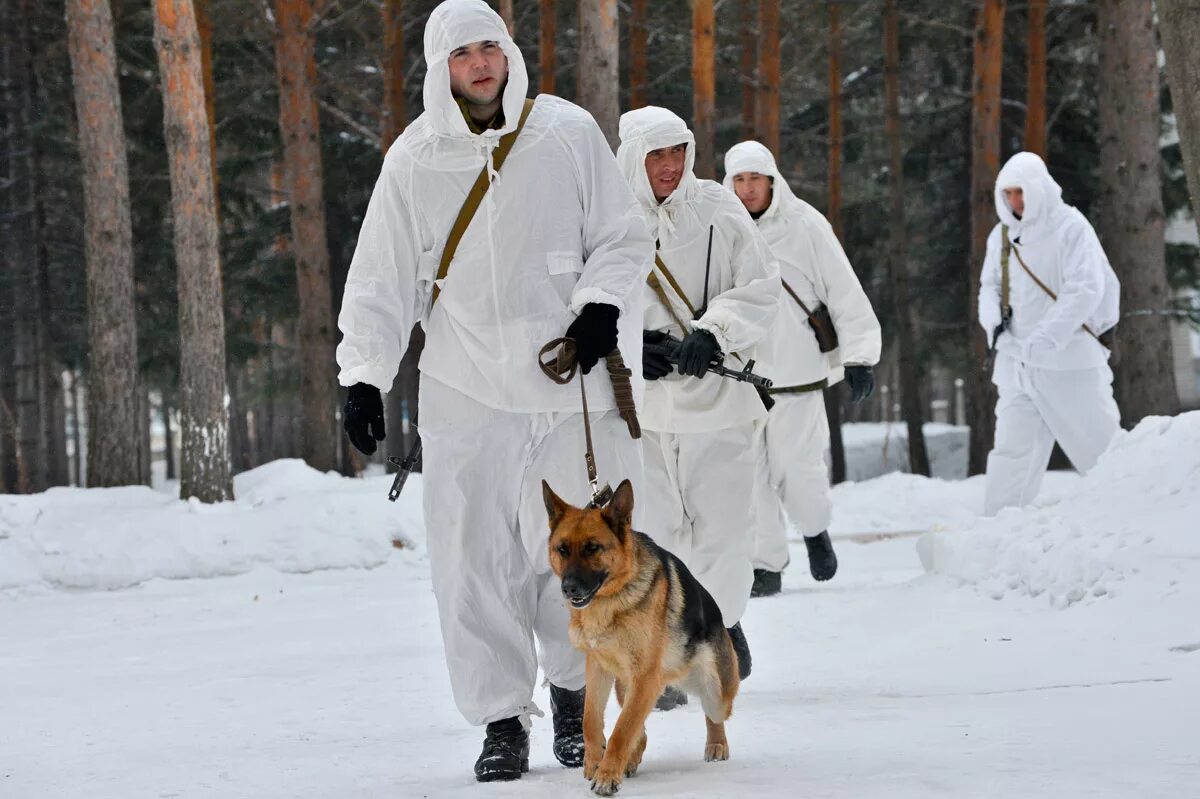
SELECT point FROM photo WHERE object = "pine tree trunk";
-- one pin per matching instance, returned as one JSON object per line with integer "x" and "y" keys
{"x": 747, "y": 64}
{"x": 239, "y": 426}
{"x": 1179, "y": 27}
{"x": 506, "y": 14}
{"x": 599, "y": 61}
{"x": 284, "y": 436}
{"x": 108, "y": 237}
{"x": 204, "y": 466}
{"x": 910, "y": 368}
{"x": 769, "y": 63}
{"x": 547, "y": 42}
{"x": 77, "y": 422}
{"x": 637, "y": 54}
{"x": 59, "y": 467}
{"x": 704, "y": 86}
{"x": 833, "y": 396}
{"x": 985, "y": 165}
{"x": 168, "y": 439}
{"x": 1035, "y": 113}
{"x": 204, "y": 27}
{"x": 145, "y": 451}
{"x": 1132, "y": 222}
{"x": 295, "y": 59}
{"x": 395, "y": 111}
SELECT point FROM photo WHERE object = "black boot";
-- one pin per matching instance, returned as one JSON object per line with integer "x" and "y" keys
{"x": 505, "y": 753}
{"x": 566, "y": 710}
{"x": 821, "y": 560}
{"x": 741, "y": 649}
{"x": 766, "y": 583}
{"x": 671, "y": 698}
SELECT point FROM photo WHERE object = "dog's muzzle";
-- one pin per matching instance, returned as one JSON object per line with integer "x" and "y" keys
{"x": 580, "y": 592}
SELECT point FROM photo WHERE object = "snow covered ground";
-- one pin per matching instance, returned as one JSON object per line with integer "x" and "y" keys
{"x": 1050, "y": 652}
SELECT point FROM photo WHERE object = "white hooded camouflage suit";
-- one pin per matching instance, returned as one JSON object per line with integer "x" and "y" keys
{"x": 793, "y": 475}
{"x": 558, "y": 229}
{"x": 1052, "y": 375}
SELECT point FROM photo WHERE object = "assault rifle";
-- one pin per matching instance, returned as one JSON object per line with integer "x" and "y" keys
{"x": 668, "y": 347}
{"x": 406, "y": 468}
{"x": 1005, "y": 321}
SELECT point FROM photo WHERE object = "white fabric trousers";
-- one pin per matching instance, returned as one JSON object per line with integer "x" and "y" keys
{"x": 792, "y": 476}
{"x": 1037, "y": 407}
{"x": 488, "y": 533}
{"x": 699, "y": 506}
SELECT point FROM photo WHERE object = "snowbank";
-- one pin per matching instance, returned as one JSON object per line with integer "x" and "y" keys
{"x": 287, "y": 516}
{"x": 1131, "y": 524}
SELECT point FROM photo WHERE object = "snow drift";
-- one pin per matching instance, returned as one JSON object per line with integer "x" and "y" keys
{"x": 1129, "y": 525}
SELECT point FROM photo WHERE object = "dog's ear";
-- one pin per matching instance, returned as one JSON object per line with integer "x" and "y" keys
{"x": 556, "y": 508}
{"x": 619, "y": 511}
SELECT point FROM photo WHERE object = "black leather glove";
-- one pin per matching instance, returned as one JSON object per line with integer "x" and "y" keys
{"x": 595, "y": 334}
{"x": 362, "y": 417}
{"x": 861, "y": 380}
{"x": 655, "y": 366}
{"x": 697, "y": 353}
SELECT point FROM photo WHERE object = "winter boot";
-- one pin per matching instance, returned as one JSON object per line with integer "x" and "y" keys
{"x": 566, "y": 710}
{"x": 766, "y": 583}
{"x": 741, "y": 649}
{"x": 671, "y": 698}
{"x": 505, "y": 753}
{"x": 821, "y": 560}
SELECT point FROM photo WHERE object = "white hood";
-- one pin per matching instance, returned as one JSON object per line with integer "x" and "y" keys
{"x": 752, "y": 156}
{"x": 1043, "y": 197}
{"x": 653, "y": 128}
{"x": 454, "y": 24}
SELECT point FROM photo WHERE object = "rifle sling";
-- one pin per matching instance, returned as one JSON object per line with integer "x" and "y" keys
{"x": 475, "y": 197}
{"x": 1004, "y": 275}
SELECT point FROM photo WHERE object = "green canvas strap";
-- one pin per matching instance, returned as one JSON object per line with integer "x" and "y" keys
{"x": 474, "y": 198}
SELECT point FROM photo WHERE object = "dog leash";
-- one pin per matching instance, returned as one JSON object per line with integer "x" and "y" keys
{"x": 562, "y": 369}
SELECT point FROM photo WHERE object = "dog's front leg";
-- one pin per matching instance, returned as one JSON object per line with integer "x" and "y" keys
{"x": 599, "y": 685}
{"x": 640, "y": 695}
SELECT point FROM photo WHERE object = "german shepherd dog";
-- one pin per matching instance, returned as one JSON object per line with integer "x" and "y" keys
{"x": 644, "y": 622}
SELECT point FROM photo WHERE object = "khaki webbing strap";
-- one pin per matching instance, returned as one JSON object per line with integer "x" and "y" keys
{"x": 796, "y": 297}
{"x": 803, "y": 389}
{"x": 1005, "y": 249}
{"x": 474, "y": 198}
{"x": 652, "y": 280}
{"x": 675, "y": 287}
{"x": 1046, "y": 288}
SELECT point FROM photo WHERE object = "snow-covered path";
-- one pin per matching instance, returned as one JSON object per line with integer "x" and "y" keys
{"x": 883, "y": 683}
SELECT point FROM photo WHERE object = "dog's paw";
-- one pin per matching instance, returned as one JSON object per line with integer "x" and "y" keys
{"x": 635, "y": 758}
{"x": 715, "y": 752}
{"x": 591, "y": 760}
{"x": 631, "y": 768}
{"x": 607, "y": 781}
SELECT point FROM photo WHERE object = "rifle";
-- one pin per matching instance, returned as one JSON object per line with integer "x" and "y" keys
{"x": 1005, "y": 321}
{"x": 668, "y": 347}
{"x": 406, "y": 468}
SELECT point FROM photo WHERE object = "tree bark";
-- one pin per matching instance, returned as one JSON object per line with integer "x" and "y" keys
{"x": 747, "y": 64}
{"x": 506, "y": 14}
{"x": 1179, "y": 27}
{"x": 911, "y": 372}
{"x": 833, "y": 396}
{"x": 395, "y": 110}
{"x": 168, "y": 439}
{"x": 637, "y": 54}
{"x": 599, "y": 61}
{"x": 204, "y": 466}
{"x": 77, "y": 422}
{"x": 1035, "y": 113}
{"x": 985, "y": 165}
{"x": 204, "y": 27}
{"x": 547, "y": 42}
{"x": 296, "y": 65}
{"x": 1132, "y": 222}
{"x": 145, "y": 451}
{"x": 769, "y": 75}
{"x": 108, "y": 239}
{"x": 704, "y": 86}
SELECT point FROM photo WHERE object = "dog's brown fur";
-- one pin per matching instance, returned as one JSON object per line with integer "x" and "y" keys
{"x": 649, "y": 624}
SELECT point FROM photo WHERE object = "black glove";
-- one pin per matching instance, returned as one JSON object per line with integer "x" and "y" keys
{"x": 595, "y": 334}
{"x": 861, "y": 380}
{"x": 362, "y": 417}
{"x": 654, "y": 365}
{"x": 697, "y": 353}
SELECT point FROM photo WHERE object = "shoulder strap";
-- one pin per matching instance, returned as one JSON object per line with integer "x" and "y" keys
{"x": 661, "y": 293}
{"x": 796, "y": 297}
{"x": 1049, "y": 291}
{"x": 475, "y": 197}
{"x": 1005, "y": 249}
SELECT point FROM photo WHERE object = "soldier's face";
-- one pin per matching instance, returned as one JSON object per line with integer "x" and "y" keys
{"x": 664, "y": 167}
{"x": 1016, "y": 200}
{"x": 754, "y": 190}
{"x": 478, "y": 72}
